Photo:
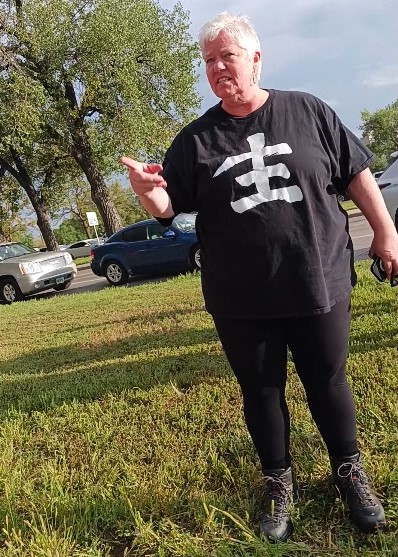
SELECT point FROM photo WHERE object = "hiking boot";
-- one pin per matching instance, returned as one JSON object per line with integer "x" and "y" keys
{"x": 275, "y": 523}
{"x": 352, "y": 485}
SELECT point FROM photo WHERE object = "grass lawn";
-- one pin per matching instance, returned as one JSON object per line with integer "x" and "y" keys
{"x": 348, "y": 205}
{"x": 82, "y": 260}
{"x": 122, "y": 432}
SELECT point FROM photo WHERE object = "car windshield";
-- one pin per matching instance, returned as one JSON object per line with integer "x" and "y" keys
{"x": 185, "y": 222}
{"x": 13, "y": 250}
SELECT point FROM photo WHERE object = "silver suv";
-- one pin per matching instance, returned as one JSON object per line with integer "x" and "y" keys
{"x": 24, "y": 271}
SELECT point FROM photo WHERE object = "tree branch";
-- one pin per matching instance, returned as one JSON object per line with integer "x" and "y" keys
{"x": 89, "y": 111}
{"x": 6, "y": 166}
{"x": 70, "y": 95}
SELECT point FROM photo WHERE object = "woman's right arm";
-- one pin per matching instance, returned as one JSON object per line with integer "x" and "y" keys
{"x": 150, "y": 187}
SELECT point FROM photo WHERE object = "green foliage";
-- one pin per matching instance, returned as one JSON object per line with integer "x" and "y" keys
{"x": 77, "y": 201}
{"x": 381, "y": 127}
{"x": 14, "y": 215}
{"x": 91, "y": 80}
{"x": 127, "y": 204}
{"x": 25, "y": 238}
{"x": 122, "y": 431}
{"x": 69, "y": 231}
{"x": 131, "y": 66}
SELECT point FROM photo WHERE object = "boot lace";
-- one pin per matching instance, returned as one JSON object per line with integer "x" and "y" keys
{"x": 356, "y": 481}
{"x": 278, "y": 495}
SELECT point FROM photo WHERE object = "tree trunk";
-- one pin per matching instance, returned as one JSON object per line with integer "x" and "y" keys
{"x": 43, "y": 219}
{"x": 23, "y": 178}
{"x": 83, "y": 221}
{"x": 81, "y": 152}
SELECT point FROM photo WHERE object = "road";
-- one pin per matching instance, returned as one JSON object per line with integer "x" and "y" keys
{"x": 361, "y": 234}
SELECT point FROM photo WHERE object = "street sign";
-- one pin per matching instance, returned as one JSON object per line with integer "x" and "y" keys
{"x": 92, "y": 218}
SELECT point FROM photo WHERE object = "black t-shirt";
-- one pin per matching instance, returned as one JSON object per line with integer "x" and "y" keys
{"x": 274, "y": 241}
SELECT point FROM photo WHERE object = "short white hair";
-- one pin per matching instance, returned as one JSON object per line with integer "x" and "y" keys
{"x": 238, "y": 27}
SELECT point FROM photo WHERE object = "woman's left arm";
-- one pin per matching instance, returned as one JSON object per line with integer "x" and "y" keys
{"x": 366, "y": 195}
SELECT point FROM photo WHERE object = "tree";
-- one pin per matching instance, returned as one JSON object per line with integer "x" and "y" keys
{"x": 70, "y": 231}
{"x": 381, "y": 127}
{"x": 130, "y": 209}
{"x": 19, "y": 171}
{"x": 107, "y": 77}
{"x": 77, "y": 201}
{"x": 24, "y": 154}
{"x": 13, "y": 226}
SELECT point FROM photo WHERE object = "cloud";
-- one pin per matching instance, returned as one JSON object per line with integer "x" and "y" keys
{"x": 383, "y": 77}
{"x": 336, "y": 50}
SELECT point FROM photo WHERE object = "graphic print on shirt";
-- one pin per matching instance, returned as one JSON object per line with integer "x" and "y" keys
{"x": 260, "y": 174}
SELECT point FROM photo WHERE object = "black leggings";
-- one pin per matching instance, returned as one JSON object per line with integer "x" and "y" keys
{"x": 257, "y": 353}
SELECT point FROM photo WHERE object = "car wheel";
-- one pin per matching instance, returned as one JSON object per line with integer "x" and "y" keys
{"x": 10, "y": 291}
{"x": 64, "y": 286}
{"x": 194, "y": 257}
{"x": 115, "y": 273}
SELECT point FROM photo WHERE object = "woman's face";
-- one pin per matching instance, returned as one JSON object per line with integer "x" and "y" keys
{"x": 229, "y": 68}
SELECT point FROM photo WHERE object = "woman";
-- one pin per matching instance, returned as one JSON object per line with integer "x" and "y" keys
{"x": 262, "y": 169}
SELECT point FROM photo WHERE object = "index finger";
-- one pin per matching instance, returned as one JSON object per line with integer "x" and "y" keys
{"x": 131, "y": 163}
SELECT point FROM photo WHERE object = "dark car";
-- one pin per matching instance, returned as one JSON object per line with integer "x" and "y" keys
{"x": 147, "y": 248}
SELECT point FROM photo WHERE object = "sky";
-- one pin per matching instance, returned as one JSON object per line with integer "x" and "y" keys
{"x": 343, "y": 51}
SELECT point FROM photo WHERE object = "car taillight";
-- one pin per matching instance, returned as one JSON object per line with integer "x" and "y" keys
{"x": 91, "y": 255}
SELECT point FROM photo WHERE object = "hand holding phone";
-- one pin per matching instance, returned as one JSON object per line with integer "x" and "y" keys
{"x": 379, "y": 272}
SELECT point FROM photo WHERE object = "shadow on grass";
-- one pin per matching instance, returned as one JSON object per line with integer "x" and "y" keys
{"x": 44, "y": 361}
{"x": 50, "y": 377}
{"x": 148, "y": 317}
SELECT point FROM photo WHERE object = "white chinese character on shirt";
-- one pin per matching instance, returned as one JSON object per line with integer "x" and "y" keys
{"x": 260, "y": 174}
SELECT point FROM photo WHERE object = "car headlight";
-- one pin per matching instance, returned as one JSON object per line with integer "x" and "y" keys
{"x": 30, "y": 267}
{"x": 68, "y": 258}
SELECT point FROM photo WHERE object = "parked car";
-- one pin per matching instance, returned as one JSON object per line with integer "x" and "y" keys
{"x": 147, "y": 248}
{"x": 24, "y": 271}
{"x": 82, "y": 248}
{"x": 388, "y": 184}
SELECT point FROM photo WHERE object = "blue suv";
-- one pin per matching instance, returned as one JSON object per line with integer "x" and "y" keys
{"x": 146, "y": 248}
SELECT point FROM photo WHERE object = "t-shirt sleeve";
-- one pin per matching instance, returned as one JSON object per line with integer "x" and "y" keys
{"x": 178, "y": 171}
{"x": 348, "y": 155}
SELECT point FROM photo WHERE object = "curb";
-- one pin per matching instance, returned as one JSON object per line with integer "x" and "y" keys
{"x": 354, "y": 213}
{"x": 84, "y": 266}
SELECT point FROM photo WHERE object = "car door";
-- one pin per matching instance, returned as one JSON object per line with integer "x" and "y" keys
{"x": 165, "y": 248}
{"x": 135, "y": 248}
{"x": 79, "y": 249}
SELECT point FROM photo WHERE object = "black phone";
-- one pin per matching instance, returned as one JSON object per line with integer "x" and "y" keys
{"x": 379, "y": 272}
